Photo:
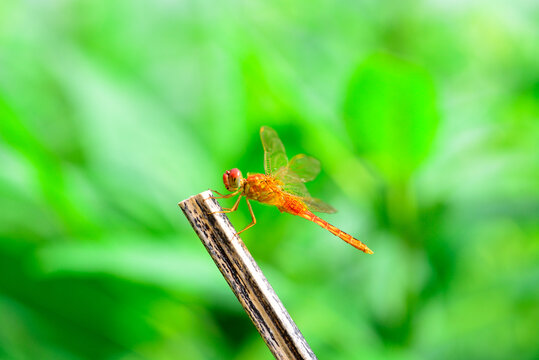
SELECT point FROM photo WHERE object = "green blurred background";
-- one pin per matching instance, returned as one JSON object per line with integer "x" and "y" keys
{"x": 424, "y": 115}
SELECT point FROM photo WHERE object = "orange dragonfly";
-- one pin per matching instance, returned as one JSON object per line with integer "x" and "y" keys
{"x": 283, "y": 186}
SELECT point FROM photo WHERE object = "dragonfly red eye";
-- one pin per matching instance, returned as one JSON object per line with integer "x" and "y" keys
{"x": 232, "y": 179}
{"x": 235, "y": 173}
{"x": 225, "y": 178}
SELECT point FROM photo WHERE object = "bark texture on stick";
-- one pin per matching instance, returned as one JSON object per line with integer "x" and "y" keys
{"x": 245, "y": 278}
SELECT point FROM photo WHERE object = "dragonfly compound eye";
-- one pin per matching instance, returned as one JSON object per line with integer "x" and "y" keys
{"x": 235, "y": 173}
{"x": 234, "y": 179}
{"x": 226, "y": 175}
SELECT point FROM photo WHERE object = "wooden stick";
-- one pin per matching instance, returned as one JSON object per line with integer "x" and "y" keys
{"x": 245, "y": 278}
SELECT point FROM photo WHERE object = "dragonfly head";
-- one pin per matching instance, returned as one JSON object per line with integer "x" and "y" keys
{"x": 232, "y": 179}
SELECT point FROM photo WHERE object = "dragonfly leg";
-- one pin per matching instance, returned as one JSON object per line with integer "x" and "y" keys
{"x": 221, "y": 196}
{"x": 227, "y": 210}
{"x": 252, "y": 217}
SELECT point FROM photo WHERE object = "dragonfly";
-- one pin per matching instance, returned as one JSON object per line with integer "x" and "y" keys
{"x": 283, "y": 186}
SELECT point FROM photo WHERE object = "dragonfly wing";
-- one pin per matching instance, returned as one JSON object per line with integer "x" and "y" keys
{"x": 300, "y": 169}
{"x": 297, "y": 189}
{"x": 293, "y": 174}
{"x": 306, "y": 168}
{"x": 318, "y": 205}
{"x": 274, "y": 153}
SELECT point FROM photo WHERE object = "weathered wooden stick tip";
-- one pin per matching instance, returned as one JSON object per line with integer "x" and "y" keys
{"x": 245, "y": 278}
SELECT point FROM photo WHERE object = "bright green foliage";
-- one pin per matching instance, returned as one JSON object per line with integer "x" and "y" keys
{"x": 391, "y": 114}
{"x": 424, "y": 115}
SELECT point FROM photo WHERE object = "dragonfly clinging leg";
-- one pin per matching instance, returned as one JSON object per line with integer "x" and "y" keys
{"x": 253, "y": 222}
{"x": 221, "y": 196}
{"x": 234, "y": 208}
{"x": 227, "y": 210}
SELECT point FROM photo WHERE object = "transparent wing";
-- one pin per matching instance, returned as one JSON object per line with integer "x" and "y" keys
{"x": 293, "y": 174}
{"x": 318, "y": 205}
{"x": 274, "y": 153}
{"x": 304, "y": 167}
{"x": 313, "y": 204}
{"x": 297, "y": 188}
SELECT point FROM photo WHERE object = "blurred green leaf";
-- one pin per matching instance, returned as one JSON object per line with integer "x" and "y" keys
{"x": 390, "y": 113}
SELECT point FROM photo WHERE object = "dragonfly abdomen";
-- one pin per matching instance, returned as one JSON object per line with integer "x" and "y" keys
{"x": 292, "y": 205}
{"x": 336, "y": 231}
